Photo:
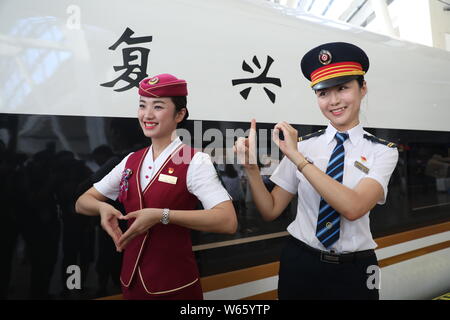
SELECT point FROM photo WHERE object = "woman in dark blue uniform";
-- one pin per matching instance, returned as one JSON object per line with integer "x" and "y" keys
{"x": 339, "y": 173}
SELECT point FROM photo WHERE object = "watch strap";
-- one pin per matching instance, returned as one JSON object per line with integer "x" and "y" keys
{"x": 165, "y": 216}
{"x": 303, "y": 164}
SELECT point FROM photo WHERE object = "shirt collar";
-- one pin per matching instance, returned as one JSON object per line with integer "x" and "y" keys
{"x": 330, "y": 132}
{"x": 167, "y": 151}
{"x": 355, "y": 134}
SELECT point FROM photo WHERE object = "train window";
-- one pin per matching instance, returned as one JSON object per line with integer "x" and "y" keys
{"x": 47, "y": 161}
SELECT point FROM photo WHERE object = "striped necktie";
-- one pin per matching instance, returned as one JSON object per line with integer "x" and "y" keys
{"x": 328, "y": 221}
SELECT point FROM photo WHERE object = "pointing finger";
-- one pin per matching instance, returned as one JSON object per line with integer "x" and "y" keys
{"x": 252, "y": 133}
{"x": 252, "y": 142}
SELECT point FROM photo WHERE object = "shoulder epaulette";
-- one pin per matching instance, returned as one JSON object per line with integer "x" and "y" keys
{"x": 378, "y": 140}
{"x": 311, "y": 135}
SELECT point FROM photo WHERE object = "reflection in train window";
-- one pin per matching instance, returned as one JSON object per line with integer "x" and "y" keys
{"x": 47, "y": 161}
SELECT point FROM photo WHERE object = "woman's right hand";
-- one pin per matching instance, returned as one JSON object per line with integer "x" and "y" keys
{"x": 245, "y": 148}
{"x": 109, "y": 220}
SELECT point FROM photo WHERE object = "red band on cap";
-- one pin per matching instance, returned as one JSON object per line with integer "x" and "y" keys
{"x": 334, "y": 70}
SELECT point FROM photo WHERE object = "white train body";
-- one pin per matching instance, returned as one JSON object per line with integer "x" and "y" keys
{"x": 54, "y": 57}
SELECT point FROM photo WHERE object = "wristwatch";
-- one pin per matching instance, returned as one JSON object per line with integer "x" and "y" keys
{"x": 303, "y": 164}
{"x": 165, "y": 216}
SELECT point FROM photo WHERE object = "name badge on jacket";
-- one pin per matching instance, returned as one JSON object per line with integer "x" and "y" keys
{"x": 167, "y": 179}
{"x": 361, "y": 167}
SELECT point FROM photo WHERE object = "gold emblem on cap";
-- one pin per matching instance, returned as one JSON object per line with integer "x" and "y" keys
{"x": 154, "y": 80}
{"x": 325, "y": 57}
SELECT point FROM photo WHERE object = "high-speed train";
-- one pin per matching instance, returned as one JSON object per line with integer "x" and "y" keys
{"x": 68, "y": 102}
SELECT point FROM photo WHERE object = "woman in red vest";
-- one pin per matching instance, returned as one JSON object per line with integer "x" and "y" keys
{"x": 160, "y": 187}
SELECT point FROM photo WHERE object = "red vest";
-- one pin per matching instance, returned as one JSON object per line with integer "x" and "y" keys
{"x": 162, "y": 258}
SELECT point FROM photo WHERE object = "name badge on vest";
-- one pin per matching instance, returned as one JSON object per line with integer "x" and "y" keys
{"x": 361, "y": 167}
{"x": 167, "y": 179}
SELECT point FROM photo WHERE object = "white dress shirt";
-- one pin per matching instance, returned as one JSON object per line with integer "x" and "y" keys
{"x": 202, "y": 180}
{"x": 378, "y": 158}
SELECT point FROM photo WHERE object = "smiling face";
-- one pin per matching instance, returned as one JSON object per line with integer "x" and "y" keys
{"x": 340, "y": 104}
{"x": 158, "y": 117}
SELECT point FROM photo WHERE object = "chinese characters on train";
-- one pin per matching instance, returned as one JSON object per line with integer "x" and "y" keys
{"x": 135, "y": 61}
{"x": 262, "y": 78}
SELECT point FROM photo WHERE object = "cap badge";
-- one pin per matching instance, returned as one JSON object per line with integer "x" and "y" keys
{"x": 154, "y": 80}
{"x": 325, "y": 57}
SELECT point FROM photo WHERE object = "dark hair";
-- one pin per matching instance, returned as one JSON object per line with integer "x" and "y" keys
{"x": 360, "y": 80}
{"x": 180, "y": 103}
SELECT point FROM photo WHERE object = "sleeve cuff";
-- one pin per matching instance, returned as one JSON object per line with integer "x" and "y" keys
{"x": 283, "y": 184}
{"x": 385, "y": 189}
{"x": 109, "y": 195}
{"x": 214, "y": 199}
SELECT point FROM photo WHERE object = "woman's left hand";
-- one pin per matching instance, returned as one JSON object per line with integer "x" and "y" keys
{"x": 145, "y": 219}
{"x": 289, "y": 145}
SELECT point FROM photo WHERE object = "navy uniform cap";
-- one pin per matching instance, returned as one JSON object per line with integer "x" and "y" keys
{"x": 334, "y": 63}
